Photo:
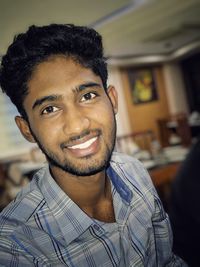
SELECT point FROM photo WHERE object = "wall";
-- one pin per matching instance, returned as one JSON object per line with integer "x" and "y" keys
{"x": 123, "y": 123}
{"x": 175, "y": 88}
{"x": 144, "y": 116}
{"x": 12, "y": 142}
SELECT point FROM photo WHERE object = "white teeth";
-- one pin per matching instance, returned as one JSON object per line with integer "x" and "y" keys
{"x": 85, "y": 144}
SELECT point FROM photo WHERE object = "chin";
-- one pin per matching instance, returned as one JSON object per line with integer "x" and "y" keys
{"x": 86, "y": 166}
{"x": 86, "y": 169}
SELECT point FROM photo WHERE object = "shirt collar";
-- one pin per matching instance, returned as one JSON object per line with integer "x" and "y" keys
{"x": 120, "y": 186}
{"x": 71, "y": 219}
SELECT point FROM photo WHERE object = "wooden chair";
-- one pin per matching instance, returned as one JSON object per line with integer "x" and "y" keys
{"x": 179, "y": 125}
{"x": 142, "y": 140}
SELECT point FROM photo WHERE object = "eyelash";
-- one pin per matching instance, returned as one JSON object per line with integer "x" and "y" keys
{"x": 90, "y": 93}
{"x": 44, "y": 110}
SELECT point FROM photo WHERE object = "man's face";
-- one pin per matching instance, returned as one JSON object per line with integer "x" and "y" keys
{"x": 70, "y": 116}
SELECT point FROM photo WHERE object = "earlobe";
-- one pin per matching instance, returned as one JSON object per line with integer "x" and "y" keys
{"x": 24, "y": 128}
{"x": 112, "y": 94}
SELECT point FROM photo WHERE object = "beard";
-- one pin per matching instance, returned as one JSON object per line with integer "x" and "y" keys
{"x": 88, "y": 165}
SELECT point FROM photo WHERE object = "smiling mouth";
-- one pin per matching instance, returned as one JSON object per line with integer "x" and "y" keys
{"x": 86, "y": 148}
{"x": 84, "y": 145}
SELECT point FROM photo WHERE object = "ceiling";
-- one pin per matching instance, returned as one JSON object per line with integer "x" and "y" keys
{"x": 134, "y": 31}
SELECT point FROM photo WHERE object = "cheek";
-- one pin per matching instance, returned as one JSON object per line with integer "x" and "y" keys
{"x": 46, "y": 133}
{"x": 103, "y": 116}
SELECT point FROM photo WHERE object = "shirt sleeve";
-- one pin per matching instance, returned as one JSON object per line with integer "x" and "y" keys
{"x": 164, "y": 238}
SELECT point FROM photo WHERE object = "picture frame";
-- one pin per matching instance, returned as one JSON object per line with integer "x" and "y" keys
{"x": 143, "y": 85}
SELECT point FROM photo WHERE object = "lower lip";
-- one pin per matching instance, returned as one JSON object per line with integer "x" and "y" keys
{"x": 92, "y": 149}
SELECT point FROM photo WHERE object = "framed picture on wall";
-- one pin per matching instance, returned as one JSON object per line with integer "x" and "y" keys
{"x": 143, "y": 85}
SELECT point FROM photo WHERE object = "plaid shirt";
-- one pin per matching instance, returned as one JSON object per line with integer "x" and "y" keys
{"x": 44, "y": 227}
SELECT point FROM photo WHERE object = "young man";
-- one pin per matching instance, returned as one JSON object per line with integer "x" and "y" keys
{"x": 89, "y": 206}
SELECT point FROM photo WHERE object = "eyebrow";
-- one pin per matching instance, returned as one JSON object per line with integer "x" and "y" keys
{"x": 85, "y": 86}
{"x": 47, "y": 98}
{"x": 54, "y": 97}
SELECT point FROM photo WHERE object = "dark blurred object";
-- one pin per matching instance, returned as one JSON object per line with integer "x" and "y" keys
{"x": 190, "y": 66}
{"x": 184, "y": 210}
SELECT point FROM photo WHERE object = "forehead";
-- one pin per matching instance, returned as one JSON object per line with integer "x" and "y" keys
{"x": 59, "y": 69}
{"x": 58, "y": 75}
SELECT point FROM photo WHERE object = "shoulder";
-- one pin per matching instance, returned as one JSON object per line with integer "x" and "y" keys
{"x": 123, "y": 159}
{"x": 135, "y": 176}
{"x": 131, "y": 169}
{"x": 22, "y": 208}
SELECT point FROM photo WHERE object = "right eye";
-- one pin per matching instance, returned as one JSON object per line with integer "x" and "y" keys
{"x": 88, "y": 96}
{"x": 49, "y": 109}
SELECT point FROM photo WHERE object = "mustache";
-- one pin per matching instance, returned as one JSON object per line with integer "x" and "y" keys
{"x": 85, "y": 133}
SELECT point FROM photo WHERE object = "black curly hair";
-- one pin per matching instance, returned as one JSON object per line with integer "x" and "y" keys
{"x": 82, "y": 44}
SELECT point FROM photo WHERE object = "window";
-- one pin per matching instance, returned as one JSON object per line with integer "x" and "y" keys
{"x": 12, "y": 143}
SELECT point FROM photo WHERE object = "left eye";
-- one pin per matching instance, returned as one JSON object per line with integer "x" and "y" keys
{"x": 88, "y": 96}
{"x": 49, "y": 109}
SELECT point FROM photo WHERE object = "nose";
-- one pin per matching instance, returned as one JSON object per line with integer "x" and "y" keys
{"x": 75, "y": 122}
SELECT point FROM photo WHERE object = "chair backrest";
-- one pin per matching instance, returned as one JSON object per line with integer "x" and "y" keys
{"x": 138, "y": 140}
{"x": 177, "y": 124}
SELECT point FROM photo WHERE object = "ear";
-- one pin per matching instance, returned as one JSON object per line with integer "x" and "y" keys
{"x": 24, "y": 129}
{"x": 112, "y": 94}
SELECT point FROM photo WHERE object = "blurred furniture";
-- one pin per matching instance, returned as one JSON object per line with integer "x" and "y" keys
{"x": 3, "y": 194}
{"x": 131, "y": 142}
{"x": 162, "y": 177}
{"x": 2, "y": 175}
{"x": 16, "y": 169}
{"x": 176, "y": 125}
{"x": 164, "y": 174}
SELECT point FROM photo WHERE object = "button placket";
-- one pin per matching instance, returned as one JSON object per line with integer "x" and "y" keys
{"x": 98, "y": 228}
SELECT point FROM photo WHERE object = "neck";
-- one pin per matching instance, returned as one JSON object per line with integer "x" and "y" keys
{"x": 91, "y": 193}
{"x": 85, "y": 191}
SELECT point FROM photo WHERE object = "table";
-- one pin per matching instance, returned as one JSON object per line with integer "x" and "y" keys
{"x": 162, "y": 177}
{"x": 163, "y": 174}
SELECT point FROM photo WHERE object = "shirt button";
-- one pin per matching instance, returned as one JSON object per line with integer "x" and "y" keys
{"x": 96, "y": 227}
